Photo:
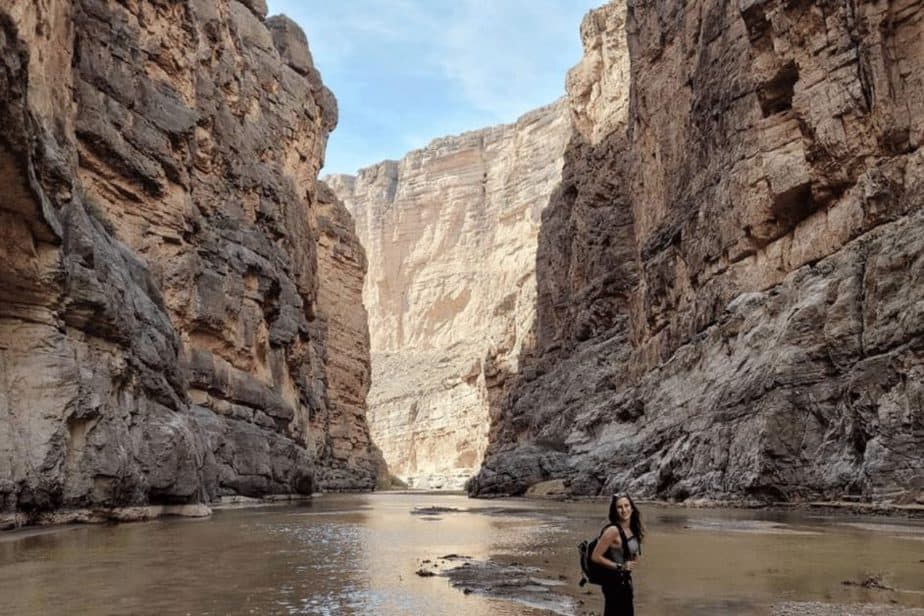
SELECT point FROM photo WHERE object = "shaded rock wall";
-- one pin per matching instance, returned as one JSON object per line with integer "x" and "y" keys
{"x": 171, "y": 288}
{"x": 743, "y": 319}
{"x": 450, "y": 232}
{"x": 341, "y": 268}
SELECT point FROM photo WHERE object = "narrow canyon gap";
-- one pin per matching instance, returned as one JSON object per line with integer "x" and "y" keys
{"x": 451, "y": 233}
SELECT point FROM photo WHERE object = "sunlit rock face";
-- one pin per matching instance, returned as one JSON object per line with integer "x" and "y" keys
{"x": 450, "y": 233}
{"x": 730, "y": 282}
{"x": 173, "y": 327}
{"x": 598, "y": 86}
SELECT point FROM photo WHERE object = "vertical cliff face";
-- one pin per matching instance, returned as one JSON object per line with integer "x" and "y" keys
{"x": 347, "y": 447}
{"x": 750, "y": 327}
{"x": 450, "y": 232}
{"x": 166, "y": 330}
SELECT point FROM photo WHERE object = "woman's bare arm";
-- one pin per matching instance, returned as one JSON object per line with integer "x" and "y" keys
{"x": 609, "y": 539}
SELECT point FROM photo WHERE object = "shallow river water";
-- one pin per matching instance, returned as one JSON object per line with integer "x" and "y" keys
{"x": 359, "y": 554}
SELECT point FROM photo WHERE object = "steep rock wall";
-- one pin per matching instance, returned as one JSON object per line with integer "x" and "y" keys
{"x": 450, "y": 232}
{"x": 163, "y": 326}
{"x": 753, "y": 328}
{"x": 341, "y": 270}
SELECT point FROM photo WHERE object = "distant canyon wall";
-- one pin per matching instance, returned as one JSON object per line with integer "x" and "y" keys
{"x": 180, "y": 313}
{"x": 730, "y": 276}
{"x": 451, "y": 232}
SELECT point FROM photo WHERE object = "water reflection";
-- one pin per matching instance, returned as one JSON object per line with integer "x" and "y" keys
{"x": 358, "y": 554}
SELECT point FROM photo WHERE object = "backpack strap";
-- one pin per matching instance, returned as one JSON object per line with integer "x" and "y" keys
{"x": 626, "y": 555}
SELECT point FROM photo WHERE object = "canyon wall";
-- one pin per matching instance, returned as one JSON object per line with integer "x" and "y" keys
{"x": 347, "y": 446}
{"x": 731, "y": 280}
{"x": 179, "y": 307}
{"x": 450, "y": 232}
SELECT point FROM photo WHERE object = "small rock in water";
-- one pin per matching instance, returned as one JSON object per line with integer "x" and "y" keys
{"x": 873, "y": 581}
{"x": 507, "y": 581}
{"x": 433, "y": 509}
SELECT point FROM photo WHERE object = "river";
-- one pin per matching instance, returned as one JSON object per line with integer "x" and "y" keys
{"x": 361, "y": 554}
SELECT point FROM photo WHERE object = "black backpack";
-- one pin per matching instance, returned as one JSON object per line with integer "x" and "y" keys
{"x": 593, "y": 572}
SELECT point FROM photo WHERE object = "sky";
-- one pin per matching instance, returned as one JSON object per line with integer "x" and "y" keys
{"x": 408, "y": 71}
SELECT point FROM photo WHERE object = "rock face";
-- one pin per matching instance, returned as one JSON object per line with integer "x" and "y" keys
{"x": 342, "y": 421}
{"x": 730, "y": 277}
{"x": 450, "y": 232}
{"x": 179, "y": 312}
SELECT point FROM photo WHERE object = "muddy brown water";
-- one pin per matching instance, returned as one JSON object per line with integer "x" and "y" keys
{"x": 358, "y": 554}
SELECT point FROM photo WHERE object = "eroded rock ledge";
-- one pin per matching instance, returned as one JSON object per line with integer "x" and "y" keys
{"x": 179, "y": 306}
{"x": 730, "y": 282}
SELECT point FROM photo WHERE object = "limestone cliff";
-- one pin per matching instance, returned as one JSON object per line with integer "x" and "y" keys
{"x": 172, "y": 323}
{"x": 450, "y": 232}
{"x": 730, "y": 280}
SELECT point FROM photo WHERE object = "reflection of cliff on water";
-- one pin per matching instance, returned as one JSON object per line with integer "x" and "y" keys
{"x": 358, "y": 554}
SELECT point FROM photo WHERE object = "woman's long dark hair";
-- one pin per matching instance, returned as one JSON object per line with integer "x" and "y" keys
{"x": 635, "y": 521}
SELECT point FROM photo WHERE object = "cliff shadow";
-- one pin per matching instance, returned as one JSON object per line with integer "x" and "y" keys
{"x": 586, "y": 270}
{"x": 730, "y": 342}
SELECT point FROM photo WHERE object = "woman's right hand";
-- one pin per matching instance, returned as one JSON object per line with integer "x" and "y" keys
{"x": 629, "y": 565}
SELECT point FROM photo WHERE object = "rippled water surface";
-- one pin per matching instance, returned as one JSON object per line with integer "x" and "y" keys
{"x": 358, "y": 554}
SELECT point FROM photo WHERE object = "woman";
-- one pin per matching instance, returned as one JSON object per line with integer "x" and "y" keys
{"x": 618, "y": 549}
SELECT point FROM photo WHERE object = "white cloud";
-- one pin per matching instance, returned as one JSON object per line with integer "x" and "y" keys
{"x": 494, "y": 52}
{"x": 408, "y": 71}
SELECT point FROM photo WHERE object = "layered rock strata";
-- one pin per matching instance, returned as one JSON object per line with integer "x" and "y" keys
{"x": 171, "y": 312}
{"x": 730, "y": 281}
{"x": 450, "y": 232}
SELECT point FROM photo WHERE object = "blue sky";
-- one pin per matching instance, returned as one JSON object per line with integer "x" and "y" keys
{"x": 407, "y": 71}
